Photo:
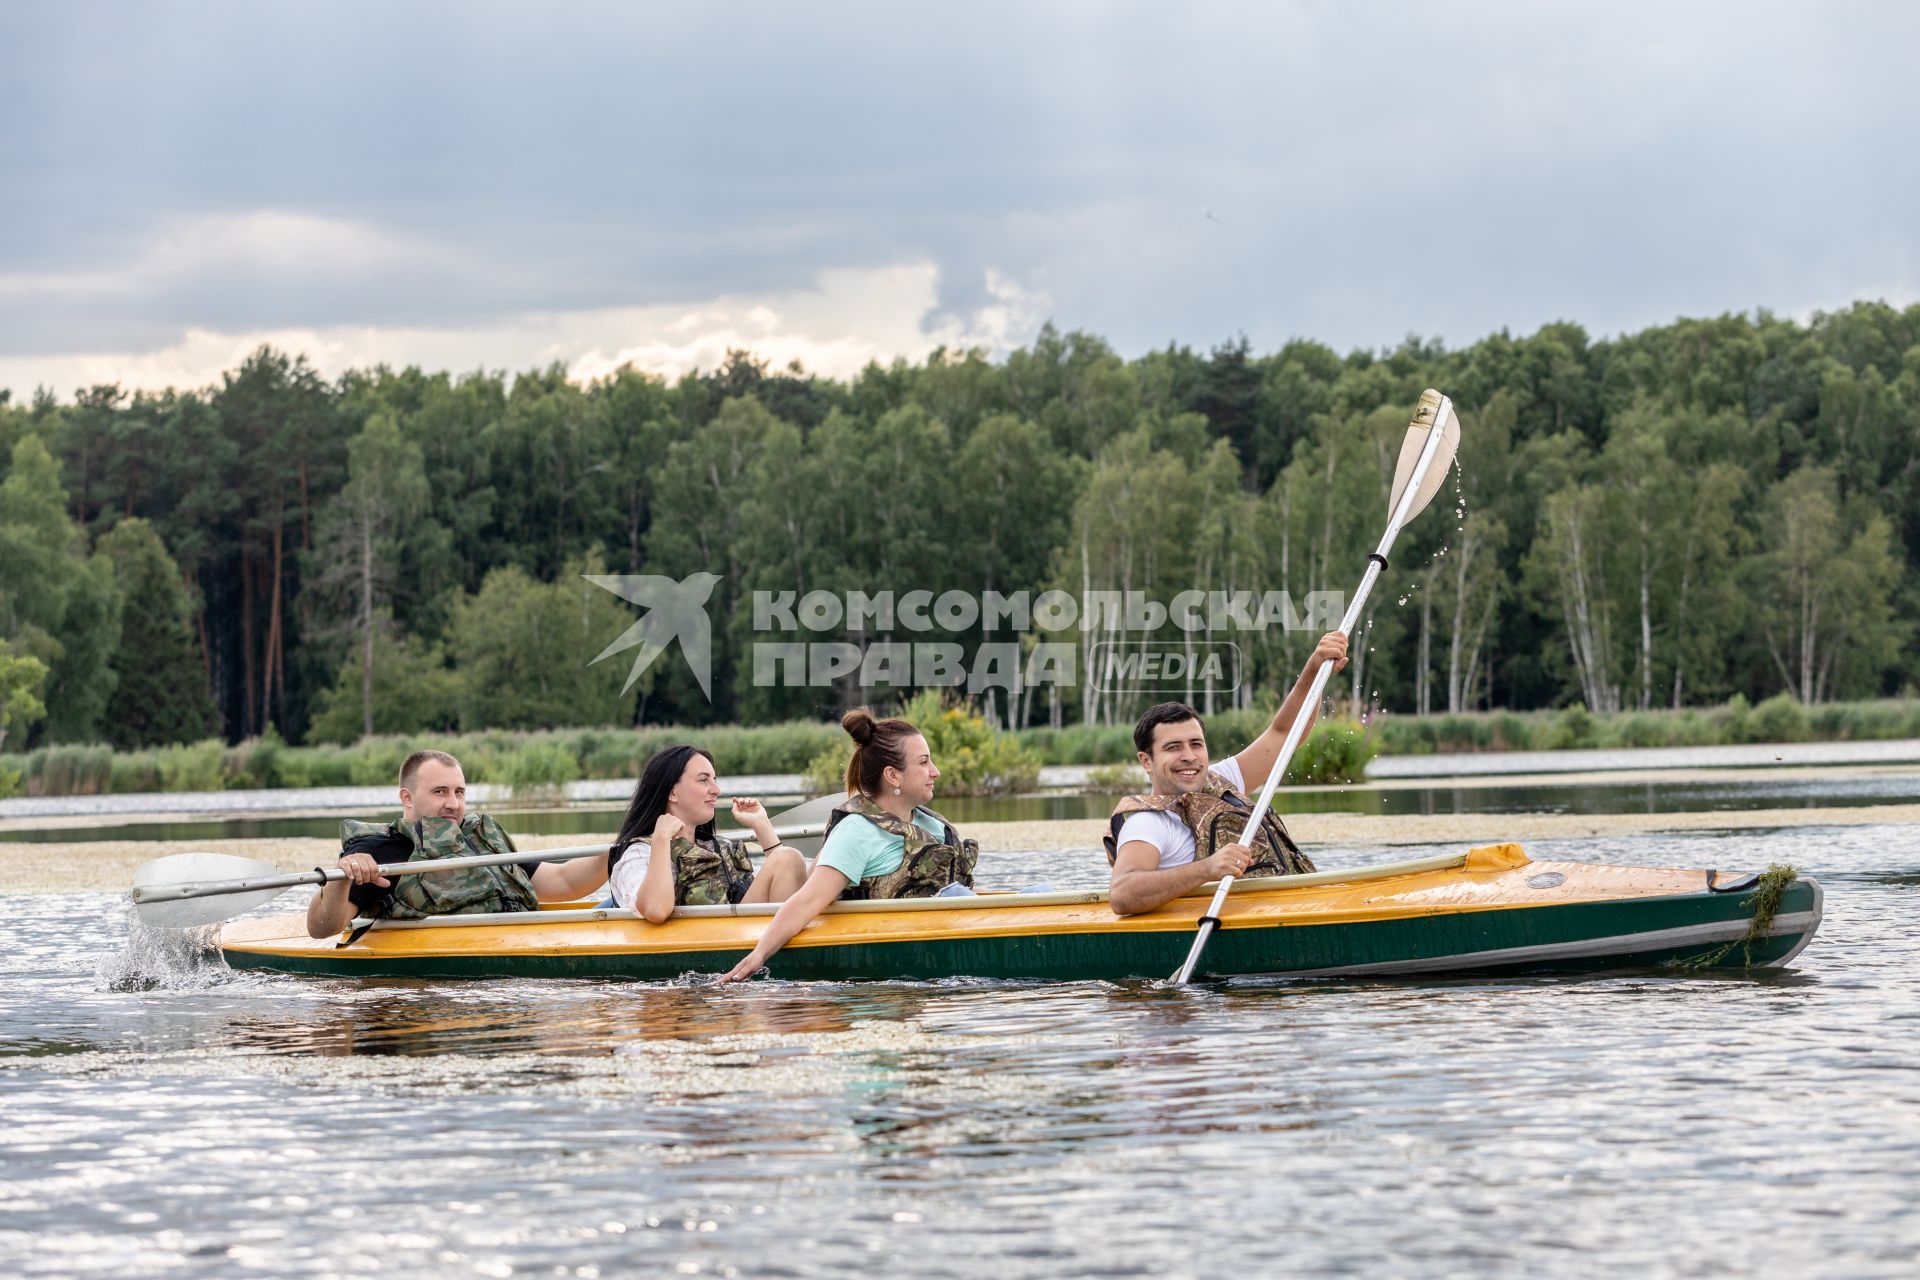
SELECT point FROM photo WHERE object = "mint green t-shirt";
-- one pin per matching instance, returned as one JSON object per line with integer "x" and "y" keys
{"x": 858, "y": 848}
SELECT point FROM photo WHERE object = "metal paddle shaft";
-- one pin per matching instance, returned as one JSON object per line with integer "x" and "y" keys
{"x": 162, "y": 885}
{"x": 1411, "y": 493}
{"x": 184, "y": 876}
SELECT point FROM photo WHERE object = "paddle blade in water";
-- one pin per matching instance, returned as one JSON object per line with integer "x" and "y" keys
{"x": 185, "y": 870}
{"x": 1435, "y": 413}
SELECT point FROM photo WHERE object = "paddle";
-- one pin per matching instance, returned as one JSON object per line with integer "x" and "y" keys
{"x": 1432, "y": 439}
{"x": 188, "y": 890}
{"x": 175, "y": 893}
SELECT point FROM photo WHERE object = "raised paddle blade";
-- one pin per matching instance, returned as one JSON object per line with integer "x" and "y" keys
{"x": 183, "y": 870}
{"x": 813, "y": 813}
{"x": 1435, "y": 412}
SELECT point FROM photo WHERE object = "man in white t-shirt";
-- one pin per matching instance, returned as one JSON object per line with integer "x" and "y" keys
{"x": 1153, "y": 849}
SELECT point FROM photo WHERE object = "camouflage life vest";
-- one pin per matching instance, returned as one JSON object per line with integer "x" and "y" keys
{"x": 1217, "y": 816}
{"x": 451, "y": 893}
{"x": 710, "y": 873}
{"x": 926, "y": 865}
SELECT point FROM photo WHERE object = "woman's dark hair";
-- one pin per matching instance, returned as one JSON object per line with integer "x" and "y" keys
{"x": 877, "y": 745}
{"x": 650, "y": 794}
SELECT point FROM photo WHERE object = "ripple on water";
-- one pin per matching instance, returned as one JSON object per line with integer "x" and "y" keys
{"x": 160, "y": 1114}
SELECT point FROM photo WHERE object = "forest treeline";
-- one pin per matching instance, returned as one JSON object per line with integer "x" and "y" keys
{"x": 1670, "y": 518}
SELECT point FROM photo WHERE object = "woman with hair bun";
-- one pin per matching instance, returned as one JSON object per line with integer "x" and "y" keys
{"x": 884, "y": 842}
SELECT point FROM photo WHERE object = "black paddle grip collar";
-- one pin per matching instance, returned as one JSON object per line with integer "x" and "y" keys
{"x": 1378, "y": 559}
{"x": 1212, "y": 920}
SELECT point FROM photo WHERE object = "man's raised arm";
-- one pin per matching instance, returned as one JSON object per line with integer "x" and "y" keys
{"x": 1257, "y": 760}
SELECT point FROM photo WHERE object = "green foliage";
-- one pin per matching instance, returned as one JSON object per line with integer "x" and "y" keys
{"x": 1335, "y": 751}
{"x": 1116, "y": 779}
{"x": 1732, "y": 719}
{"x": 160, "y": 690}
{"x": 21, "y": 679}
{"x": 973, "y": 757}
{"x": 1575, "y": 728}
{"x": 194, "y": 766}
{"x": 37, "y": 541}
{"x": 1823, "y": 588}
{"x": 84, "y": 678}
{"x": 375, "y": 762}
{"x": 820, "y": 749}
{"x": 70, "y": 770}
{"x": 1663, "y": 519}
{"x": 779, "y": 748}
{"x": 1780, "y": 718}
{"x": 413, "y": 691}
{"x": 130, "y": 773}
{"x": 526, "y": 652}
{"x": 538, "y": 771}
{"x": 1509, "y": 732}
{"x": 1080, "y": 743}
{"x": 256, "y": 763}
{"x": 55, "y": 605}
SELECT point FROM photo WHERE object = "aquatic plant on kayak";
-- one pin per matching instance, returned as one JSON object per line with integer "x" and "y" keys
{"x": 1765, "y": 897}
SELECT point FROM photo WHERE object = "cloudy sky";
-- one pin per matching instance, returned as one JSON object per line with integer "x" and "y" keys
{"x": 466, "y": 185}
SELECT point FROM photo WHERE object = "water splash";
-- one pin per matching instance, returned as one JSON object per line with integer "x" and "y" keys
{"x": 163, "y": 959}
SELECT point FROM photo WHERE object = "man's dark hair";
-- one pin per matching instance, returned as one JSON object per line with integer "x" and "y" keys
{"x": 1165, "y": 713}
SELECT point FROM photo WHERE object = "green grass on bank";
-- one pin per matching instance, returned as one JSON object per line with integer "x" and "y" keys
{"x": 535, "y": 761}
{"x": 1778, "y": 719}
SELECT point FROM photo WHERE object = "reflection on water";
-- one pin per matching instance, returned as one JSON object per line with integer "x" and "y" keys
{"x": 215, "y": 1124}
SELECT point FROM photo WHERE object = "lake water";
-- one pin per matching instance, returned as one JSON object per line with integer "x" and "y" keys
{"x": 160, "y": 1116}
{"x": 1681, "y": 793}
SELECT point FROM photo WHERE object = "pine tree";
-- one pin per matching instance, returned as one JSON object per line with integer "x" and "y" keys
{"x": 163, "y": 695}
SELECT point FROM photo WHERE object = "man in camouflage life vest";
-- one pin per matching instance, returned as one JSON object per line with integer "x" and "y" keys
{"x": 1192, "y": 828}
{"x": 434, "y": 823}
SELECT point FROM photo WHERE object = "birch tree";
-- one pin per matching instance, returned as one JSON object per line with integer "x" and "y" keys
{"x": 1823, "y": 587}
{"x": 359, "y": 546}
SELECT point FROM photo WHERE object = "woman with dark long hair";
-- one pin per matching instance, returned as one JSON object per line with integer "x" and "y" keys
{"x": 884, "y": 842}
{"x": 668, "y": 855}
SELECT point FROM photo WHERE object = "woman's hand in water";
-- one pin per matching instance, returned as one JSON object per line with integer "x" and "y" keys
{"x": 753, "y": 964}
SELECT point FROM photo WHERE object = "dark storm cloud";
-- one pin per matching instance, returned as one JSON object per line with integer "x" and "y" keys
{"x": 1157, "y": 172}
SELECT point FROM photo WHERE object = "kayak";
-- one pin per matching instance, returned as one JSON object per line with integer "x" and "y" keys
{"x": 1488, "y": 910}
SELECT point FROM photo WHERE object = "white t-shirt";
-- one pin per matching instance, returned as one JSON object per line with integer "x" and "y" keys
{"x": 630, "y": 871}
{"x": 1164, "y": 831}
